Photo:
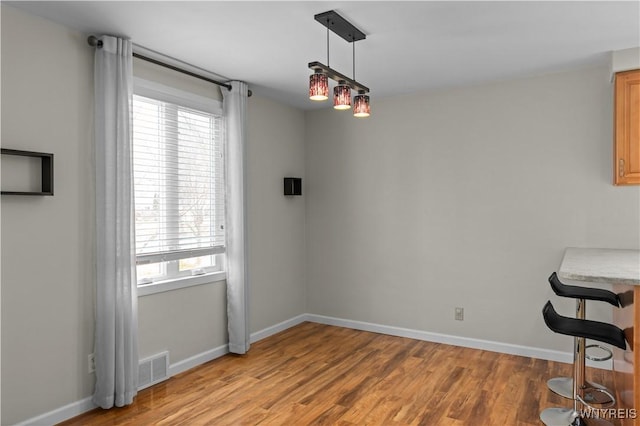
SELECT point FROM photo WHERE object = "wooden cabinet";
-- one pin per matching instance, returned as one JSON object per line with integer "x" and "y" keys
{"x": 627, "y": 128}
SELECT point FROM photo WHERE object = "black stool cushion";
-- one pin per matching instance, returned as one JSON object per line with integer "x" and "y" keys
{"x": 594, "y": 330}
{"x": 578, "y": 292}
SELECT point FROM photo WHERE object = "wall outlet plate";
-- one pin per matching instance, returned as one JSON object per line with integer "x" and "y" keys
{"x": 459, "y": 314}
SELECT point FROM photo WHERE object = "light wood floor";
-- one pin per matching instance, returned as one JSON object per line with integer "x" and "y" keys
{"x": 324, "y": 375}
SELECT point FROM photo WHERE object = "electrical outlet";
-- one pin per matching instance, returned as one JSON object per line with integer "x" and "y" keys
{"x": 91, "y": 364}
{"x": 459, "y": 314}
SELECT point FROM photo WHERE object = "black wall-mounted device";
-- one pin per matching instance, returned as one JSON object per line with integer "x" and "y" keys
{"x": 292, "y": 186}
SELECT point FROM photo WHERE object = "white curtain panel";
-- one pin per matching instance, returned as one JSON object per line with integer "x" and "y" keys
{"x": 116, "y": 332}
{"x": 235, "y": 111}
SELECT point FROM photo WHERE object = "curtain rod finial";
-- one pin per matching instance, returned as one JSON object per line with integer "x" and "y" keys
{"x": 94, "y": 42}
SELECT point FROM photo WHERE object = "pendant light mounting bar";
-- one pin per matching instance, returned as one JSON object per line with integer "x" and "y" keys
{"x": 337, "y": 76}
{"x": 336, "y": 23}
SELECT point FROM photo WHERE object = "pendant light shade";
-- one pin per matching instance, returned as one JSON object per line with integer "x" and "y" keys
{"x": 342, "y": 96}
{"x": 361, "y": 106}
{"x": 318, "y": 86}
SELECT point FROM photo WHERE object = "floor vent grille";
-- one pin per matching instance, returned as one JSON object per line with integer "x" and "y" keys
{"x": 153, "y": 370}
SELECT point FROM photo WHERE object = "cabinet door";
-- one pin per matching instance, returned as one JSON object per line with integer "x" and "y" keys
{"x": 627, "y": 128}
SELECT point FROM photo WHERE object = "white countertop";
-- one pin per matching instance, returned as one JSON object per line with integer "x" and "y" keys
{"x": 614, "y": 266}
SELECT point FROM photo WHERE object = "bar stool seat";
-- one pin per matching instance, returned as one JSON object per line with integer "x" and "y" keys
{"x": 595, "y": 330}
{"x": 563, "y": 386}
{"x": 586, "y": 293}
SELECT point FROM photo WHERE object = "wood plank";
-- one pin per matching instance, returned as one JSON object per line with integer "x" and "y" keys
{"x": 318, "y": 374}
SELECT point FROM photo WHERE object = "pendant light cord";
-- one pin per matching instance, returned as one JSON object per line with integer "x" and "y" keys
{"x": 354, "y": 57}
{"x": 328, "y": 44}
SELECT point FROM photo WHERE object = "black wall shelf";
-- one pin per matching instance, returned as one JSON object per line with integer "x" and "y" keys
{"x": 46, "y": 161}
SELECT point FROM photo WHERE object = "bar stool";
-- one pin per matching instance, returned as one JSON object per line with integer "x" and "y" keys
{"x": 594, "y": 330}
{"x": 563, "y": 386}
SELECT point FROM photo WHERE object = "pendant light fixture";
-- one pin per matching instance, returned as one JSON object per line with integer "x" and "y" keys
{"x": 342, "y": 96}
{"x": 318, "y": 81}
{"x": 361, "y": 107}
{"x": 318, "y": 86}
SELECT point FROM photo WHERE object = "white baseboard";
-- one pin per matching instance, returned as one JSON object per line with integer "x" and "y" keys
{"x": 79, "y": 407}
{"x": 61, "y": 414}
{"x": 212, "y": 354}
{"x": 194, "y": 361}
{"x": 274, "y": 329}
{"x": 467, "y": 342}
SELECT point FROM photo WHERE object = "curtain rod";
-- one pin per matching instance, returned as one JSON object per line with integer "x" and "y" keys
{"x": 94, "y": 42}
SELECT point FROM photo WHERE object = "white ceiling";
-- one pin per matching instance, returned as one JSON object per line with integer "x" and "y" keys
{"x": 410, "y": 46}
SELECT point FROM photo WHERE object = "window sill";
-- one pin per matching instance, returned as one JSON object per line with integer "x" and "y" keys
{"x": 182, "y": 282}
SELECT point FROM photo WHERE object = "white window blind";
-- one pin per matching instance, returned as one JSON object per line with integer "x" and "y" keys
{"x": 178, "y": 181}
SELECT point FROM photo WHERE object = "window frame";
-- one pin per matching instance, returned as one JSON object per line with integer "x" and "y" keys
{"x": 163, "y": 93}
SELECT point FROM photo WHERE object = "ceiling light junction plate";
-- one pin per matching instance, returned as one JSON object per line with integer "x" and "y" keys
{"x": 337, "y": 24}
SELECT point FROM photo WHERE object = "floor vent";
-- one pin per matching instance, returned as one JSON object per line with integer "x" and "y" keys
{"x": 153, "y": 370}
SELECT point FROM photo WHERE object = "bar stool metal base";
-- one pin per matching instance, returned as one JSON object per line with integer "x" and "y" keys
{"x": 563, "y": 386}
{"x": 559, "y": 417}
{"x": 568, "y": 417}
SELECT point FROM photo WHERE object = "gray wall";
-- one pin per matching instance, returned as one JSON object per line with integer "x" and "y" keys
{"x": 47, "y": 242}
{"x": 463, "y": 198}
{"x": 275, "y": 222}
{"x": 47, "y": 252}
